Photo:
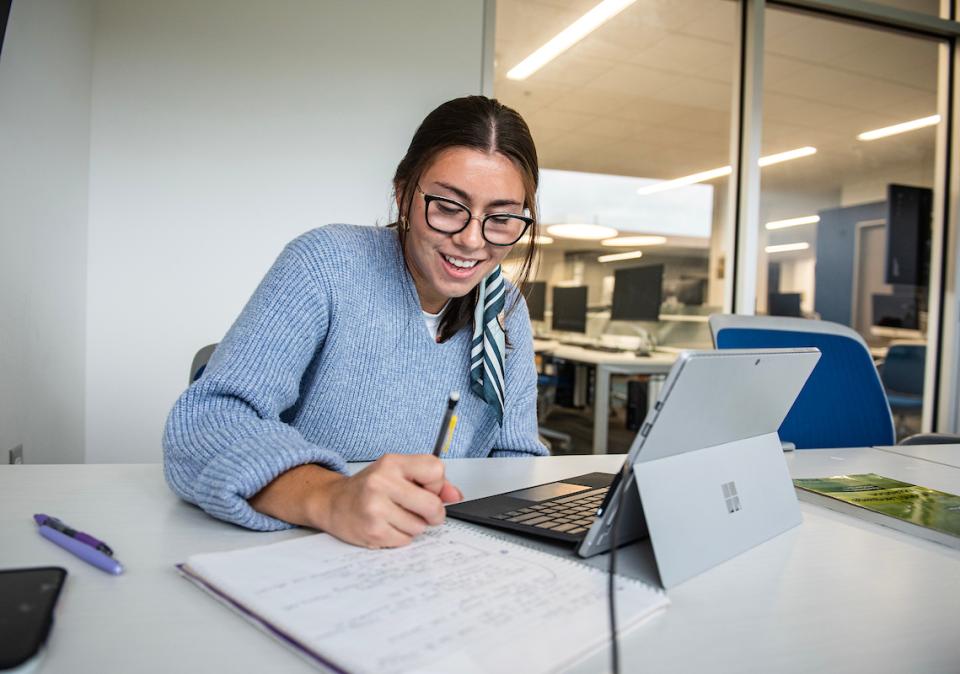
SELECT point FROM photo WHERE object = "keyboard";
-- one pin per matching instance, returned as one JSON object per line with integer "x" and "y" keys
{"x": 570, "y": 515}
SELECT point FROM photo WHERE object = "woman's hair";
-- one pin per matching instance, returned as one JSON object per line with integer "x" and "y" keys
{"x": 483, "y": 124}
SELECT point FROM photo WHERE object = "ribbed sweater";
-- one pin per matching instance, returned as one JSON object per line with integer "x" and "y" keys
{"x": 330, "y": 361}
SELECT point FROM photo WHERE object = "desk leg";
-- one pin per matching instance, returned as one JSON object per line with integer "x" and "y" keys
{"x": 653, "y": 389}
{"x": 601, "y": 410}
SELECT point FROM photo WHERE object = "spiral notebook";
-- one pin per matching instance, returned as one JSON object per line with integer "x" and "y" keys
{"x": 455, "y": 600}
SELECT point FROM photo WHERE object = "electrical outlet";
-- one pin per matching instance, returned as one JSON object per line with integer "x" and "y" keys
{"x": 16, "y": 455}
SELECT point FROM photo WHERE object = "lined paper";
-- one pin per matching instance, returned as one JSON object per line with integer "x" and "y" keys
{"x": 454, "y": 600}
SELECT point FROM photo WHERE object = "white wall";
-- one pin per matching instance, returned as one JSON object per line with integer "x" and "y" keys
{"x": 44, "y": 146}
{"x": 220, "y": 130}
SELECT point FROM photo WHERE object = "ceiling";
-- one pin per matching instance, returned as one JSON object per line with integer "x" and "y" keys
{"x": 648, "y": 94}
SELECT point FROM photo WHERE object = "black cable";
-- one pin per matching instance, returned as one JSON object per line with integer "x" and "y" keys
{"x": 612, "y": 570}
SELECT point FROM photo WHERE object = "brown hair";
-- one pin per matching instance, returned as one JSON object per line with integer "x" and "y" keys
{"x": 483, "y": 124}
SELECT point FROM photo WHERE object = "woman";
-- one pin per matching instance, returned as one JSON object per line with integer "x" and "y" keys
{"x": 349, "y": 347}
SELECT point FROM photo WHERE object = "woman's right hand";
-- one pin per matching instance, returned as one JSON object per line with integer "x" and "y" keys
{"x": 388, "y": 503}
{"x": 383, "y": 506}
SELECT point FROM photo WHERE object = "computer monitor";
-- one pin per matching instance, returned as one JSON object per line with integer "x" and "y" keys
{"x": 570, "y": 309}
{"x": 896, "y": 311}
{"x": 536, "y": 296}
{"x": 784, "y": 304}
{"x": 637, "y": 293}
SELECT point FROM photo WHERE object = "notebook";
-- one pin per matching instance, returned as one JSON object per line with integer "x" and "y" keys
{"x": 455, "y": 600}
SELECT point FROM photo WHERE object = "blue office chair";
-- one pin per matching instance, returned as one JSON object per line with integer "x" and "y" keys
{"x": 843, "y": 403}
{"x": 902, "y": 375}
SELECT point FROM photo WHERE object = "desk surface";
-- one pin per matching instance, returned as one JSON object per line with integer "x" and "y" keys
{"x": 835, "y": 594}
{"x": 948, "y": 455}
{"x": 655, "y": 363}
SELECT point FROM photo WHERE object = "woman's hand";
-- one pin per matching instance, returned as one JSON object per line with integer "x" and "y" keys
{"x": 383, "y": 506}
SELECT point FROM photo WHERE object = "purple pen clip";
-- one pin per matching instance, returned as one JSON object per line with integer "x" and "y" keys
{"x": 83, "y": 537}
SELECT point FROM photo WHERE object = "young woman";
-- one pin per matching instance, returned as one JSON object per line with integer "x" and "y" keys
{"x": 351, "y": 344}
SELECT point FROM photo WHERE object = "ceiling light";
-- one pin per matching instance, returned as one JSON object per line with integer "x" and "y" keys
{"x": 932, "y": 120}
{"x": 620, "y": 256}
{"x": 635, "y": 241}
{"x": 703, "y": 176}
{"x": 787, "y": 247}
{"x": 591, "y": 232}
{"x": 793, "y": 222}
{"x": 787, "y": 156}
{"x": 568, "y": 37}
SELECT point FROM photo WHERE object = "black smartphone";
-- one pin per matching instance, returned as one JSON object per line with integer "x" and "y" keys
{"x": 27, "y": 599}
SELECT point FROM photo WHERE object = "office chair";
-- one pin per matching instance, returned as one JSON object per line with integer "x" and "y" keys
{"x": 546, "y": 396}
{"x": 199, "y": 363}
{"x": 902, "y": 375}
{"x": 843, "y": 403}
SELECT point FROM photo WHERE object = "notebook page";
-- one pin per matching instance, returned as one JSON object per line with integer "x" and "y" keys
{"x": 454, "y": 600}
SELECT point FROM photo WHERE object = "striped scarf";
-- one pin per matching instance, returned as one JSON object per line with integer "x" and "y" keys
{"x": 487, "y": 348}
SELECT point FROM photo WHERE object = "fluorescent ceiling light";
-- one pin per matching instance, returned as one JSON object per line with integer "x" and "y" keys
{"x": 724, "y": 171}
{"x": 635, "y": 241}
{"x": 932, "y": 120}
{"x": 787, "y": 156}
{"x": 568, "y": 37}
{"x": 620, "y": 256}
{"x": 787, "y": 247}
{"x": 793, "y": 222}
{"x": 591, "y": 232}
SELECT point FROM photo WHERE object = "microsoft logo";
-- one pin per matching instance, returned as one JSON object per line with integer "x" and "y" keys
{"x": 730, "y": 496}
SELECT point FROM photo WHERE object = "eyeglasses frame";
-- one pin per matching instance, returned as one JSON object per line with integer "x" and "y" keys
{"x": 428, "y": 198}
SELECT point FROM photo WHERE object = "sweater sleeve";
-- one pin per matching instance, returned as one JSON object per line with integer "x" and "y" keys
{"x": 224, "y": 439}
{"x": 519, "y": 435}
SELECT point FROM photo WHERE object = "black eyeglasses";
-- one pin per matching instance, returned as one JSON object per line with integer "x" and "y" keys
{"x": 450, "y": 217}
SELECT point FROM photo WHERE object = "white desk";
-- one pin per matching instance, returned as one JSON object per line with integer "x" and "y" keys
{"x": 833, "y": 595}
{"x": 948, "y": 455}
{"x": 608, "y": 363}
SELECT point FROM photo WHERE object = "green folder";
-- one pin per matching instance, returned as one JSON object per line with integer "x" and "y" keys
{"x": 910, "y": 508}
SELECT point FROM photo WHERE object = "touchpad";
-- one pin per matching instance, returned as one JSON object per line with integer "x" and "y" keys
{"x": 545, "y": 491}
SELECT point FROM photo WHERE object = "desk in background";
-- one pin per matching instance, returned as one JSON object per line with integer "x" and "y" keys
{"x": 836, "y": 594}
{"x": 657, "y": 365}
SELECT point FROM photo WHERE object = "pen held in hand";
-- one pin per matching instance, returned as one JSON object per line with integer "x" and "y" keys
{"x": 445, "y": 436}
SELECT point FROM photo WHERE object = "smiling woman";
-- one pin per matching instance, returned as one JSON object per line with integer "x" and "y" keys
{"x": 351, "y": 344}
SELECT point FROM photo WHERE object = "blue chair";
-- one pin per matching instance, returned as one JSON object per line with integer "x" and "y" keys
{"x": 843, "y": 402}
{"x": 902, "y": 375}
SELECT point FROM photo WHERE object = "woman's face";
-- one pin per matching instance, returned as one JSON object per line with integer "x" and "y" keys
{"x": 451, "y": 265}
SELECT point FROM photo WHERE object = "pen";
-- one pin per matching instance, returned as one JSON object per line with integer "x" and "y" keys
{"x": 449, "y": 422}
{"x": 54, "y": 523}
{"x": 84, "y": 551}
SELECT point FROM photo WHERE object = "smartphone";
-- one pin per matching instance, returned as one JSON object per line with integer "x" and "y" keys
{"x": 27, "y": 599}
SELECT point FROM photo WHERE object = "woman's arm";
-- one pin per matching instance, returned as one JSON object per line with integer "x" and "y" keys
{"x": 385, "y": 505}
{"x": 224, "y": 440}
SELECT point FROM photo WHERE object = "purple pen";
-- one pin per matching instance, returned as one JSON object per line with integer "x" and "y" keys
{"x": 82, "y": 550}
{"x": 83, "y": 537}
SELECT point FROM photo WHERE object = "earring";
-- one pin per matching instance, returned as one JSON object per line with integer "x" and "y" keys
{"x": 404, "y": 223}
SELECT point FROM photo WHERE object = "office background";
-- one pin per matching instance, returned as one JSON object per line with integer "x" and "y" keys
{"x": 158, "y": 156}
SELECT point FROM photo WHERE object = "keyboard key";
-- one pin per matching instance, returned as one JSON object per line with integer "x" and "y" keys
{"x": 526, "y": 517}
{"x": 549, "y": 524}
{"x": 578, "y": 530}
{"x": 563, "y": 527}
{"x": 537, "y": 520}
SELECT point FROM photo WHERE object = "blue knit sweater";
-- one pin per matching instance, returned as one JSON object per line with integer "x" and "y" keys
{"x": 331, "y": 361}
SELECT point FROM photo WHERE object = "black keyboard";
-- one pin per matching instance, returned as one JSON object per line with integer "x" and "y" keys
{"x": 569, "y": 514}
